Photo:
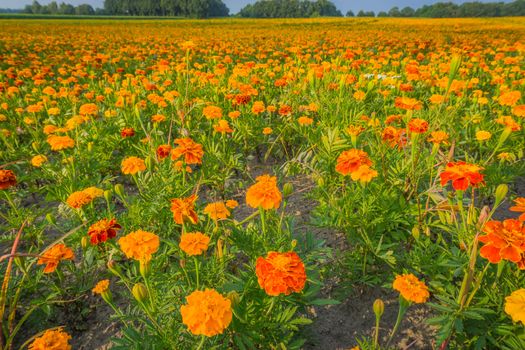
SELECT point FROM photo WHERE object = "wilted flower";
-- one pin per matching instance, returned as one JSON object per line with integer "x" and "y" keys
{"x": 54, "y": 255}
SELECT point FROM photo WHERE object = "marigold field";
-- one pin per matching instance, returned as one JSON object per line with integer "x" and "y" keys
{"x": 262, "y": 184}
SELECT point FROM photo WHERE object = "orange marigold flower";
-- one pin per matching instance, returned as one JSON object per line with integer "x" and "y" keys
{"x": 462, "y": 175}
{"x": 258, "y": 107}
{"x": 515, "y": 305}
{"x": 264, "y": 193}
{"x": 127, "y": 132}
{"x": 88, "y": 109}
{"x": 285, "y": 110}
{"x": 78, "y": 199}
{"x": 158, "y": 118}
{"x": 504, "y": 240}
{"x": 394, "y": 137}
{"x": 184, "y": 209}
{"x": 281, "y": 273}
{"x": 509, "y": 98}
{"x": 59, "y": 143}
{"x": 483, "y": 135}
{"x": 103, "y": 230}
{"x": 217, "y": 211}
{"x": 437, "y": 99}
{"x": 438, "y": 137}
{"x": 305, "y": 120}
{"x": 206, "y": 313}
{"x": 350, "y": 160}
{"x": 7, "y": 179}
{"x": 38, "y": 160}
{"x": 418, "y": 126}
{"x": 54, "y": 255}
{"x": 212, "y": 112}
{"x": 133, "y": 165}
{"x": 223, "y": 127}
{"x": 519, "y": 207}
{"x": 52, "y": 339}
{"x": 139, "y": 245}
{"x": 194, "y": 243}
{"x": 101, "y": 287}
{"x": 354, "y": 130}
{"x": 163, "y": 151}
{"x": 519, "y": 111}
{"x": 508, "y": 123}
{"x": 234, "y": 114}
{"x": 94, "y": 192}
{"x": 189, "y": 149}
{"x": 363, "y": 174}
{"x": 267, "y": 131}
{"x": 232, "y": 203}
{"x": 408, "y": 103}
{"x": 411, "y": 288}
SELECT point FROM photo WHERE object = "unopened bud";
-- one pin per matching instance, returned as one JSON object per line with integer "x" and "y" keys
{"x": 145, "y": 268}
{"x": 501, "y": 193}
{"x": 415, "y": 232}
{"x": 234, "y": 297}
{"x": 119, "y": 189}
{"x": 140, "y": 292}
{"x": 107, "y": 195}
{"x": 379, "y": 308}
{"x": 287, "y": 189}
{"x": 294, "y": 243}
{"x": 90, "y": 146}
{"x": 84, "y": 242}
{"x": 113, "y": 268}
{"x": 35, "y": 146}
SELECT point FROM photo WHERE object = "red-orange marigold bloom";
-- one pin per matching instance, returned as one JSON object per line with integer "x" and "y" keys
{"x": 7, "y": 179}
{"x": 281, "y": 273}
{"x": 462, "y": 175}
{"x": 194, "y": 243}
{"x": 394, "y": 137}
{"x": 189, "y": 149}
{"x": 127, "y": 132}
{"x": 139, "y": 245}
{"x": 52, "y": 339}
{"x": 509, "y": 98}
{"x": 411, "y": 288}
{"x": 163, "y": 151}
{"x": 184, "y": 209}
{"x": 103, "y": 230}
{"x": 223, "y": 127}
{"x": 350, "y": 160}
{"x": 264, "y": 193}
{"x": 206, "y": 313}
{"x": 519, "y": 207}
{"x": 504, "y": 240}
{"x": 408, "y": 103}
{"x": 438, "y": 137}
{"x": 54, "y": 255}
{"x": 217, "y": 211}
{"x": 418, "y": 126}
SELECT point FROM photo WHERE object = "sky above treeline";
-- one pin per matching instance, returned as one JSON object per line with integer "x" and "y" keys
{"x": 236, "y": 5}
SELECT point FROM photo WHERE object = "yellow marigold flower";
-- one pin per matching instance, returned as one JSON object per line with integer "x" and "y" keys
{"x": 133, "y": 165}
{"x": 78, "y": 199}
{"x": 515, "y": 305}
{"x": 411, "y": 288}
{"x": 438, "y": 137}
{"x": 187, "y": 45}
{"x": 217, "y": 211}
{"x": 59, "y": 143}
{"x": 38, "y": 160}
{"x": 212, "y": 112}
{"x": 139, "y": 245}
{"x": 194, "y": 243}
{"x": 483, "y": 135}
{"x": 206, "y": 313}
{"x": 52, "y": 339}
{"x": 88, "y": 109}
{"x": 363, "y": 174}
{"x": 232, "y": 203}
{"x": 94, "y": 192}
{"x": 53, "y": 111}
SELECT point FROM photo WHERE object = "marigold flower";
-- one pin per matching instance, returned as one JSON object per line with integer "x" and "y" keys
{"x": 52, "y": 339}
{"x": 133, "y": 165}
{"x": 163, "y": 151}
{"x": 264, "y": 193}
{"x": 101, "y": 287}
{"x": 350, "y": 160}
{"x": 232, "y": 203}
{"x": 418, "y": 126}
{"x": 184, "y": 209}
{"x": 212, "y": 112}
{"x": 158, "y": 118}
{"x": 281, "y": 273}
{"x": 103, "y": 230}
{"x": 438, "y": 137}
{"x": 194, "y": 243}
{"x": 223, "y": 127}
{"x": 55, "y": 255}
{"x": 139, "y": 245}
{"x": 267, "y": 131}
{"x": 509, "y": 98}
{"x": 258, "y": 107}
{"x": 7, "y": 179}
{"x": 519, "y": 207}
{"x": 38, "y": 160}
{"x": 519, "y": 111}
{"x": 515, "y": 305}
{"x": 78, "y": 199}
{"x": 394, "y": 137}
{"x": 285, "y": 110}
{"x": 407, "y": 103}
{"x": 217, "y": 211}
{"x": 363, "y": 174}
{"x": 504, "y": 240}
{"x": 462, "y": 175}
{"x": 411, "y": 288}
{"x": 305, "y": 120}
{"x": 508, "y": 122}
{"x": 234, "y": 114}
{"x": 206, "y": 313}
{"x": 483, "y": 135}
{"x": 189, "y": 149}
{"x": 88, "y": 109}
{"x": 59, "y": 143}
{"x": 127, "y": 132}
{"x": 354, "y": 130}
{"x": 94, "y": 192}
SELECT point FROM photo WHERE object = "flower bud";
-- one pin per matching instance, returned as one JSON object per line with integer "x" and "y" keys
{"x": 234, "y": 297}
{"x": 501, "y": 193}
{"x": 107, "y": 195}
{"x": 35, "y": 146}
{"x": 119, "y": 189}
{"x": 148, "y": 161}
{"x": 140, "y": 292}
{"x": 90, "y": 146}
{"x": 379, "y": 308}
{"x": 415, "y": 232}
{"x": 287, "y": 189}
{"x": 219, "y": 249}
{"x": 113, "y": 267}
{"x": 145, "y": 268}
{"x": 84, "y": 242}
{"x": 294, "y": 243}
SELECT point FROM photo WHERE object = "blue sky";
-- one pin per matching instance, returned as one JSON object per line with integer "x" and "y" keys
{"x": 236, "y": 5}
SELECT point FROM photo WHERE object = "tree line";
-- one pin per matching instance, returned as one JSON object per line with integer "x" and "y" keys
{"x": 451, "y": 10}
{"x": 290, "y": 8}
